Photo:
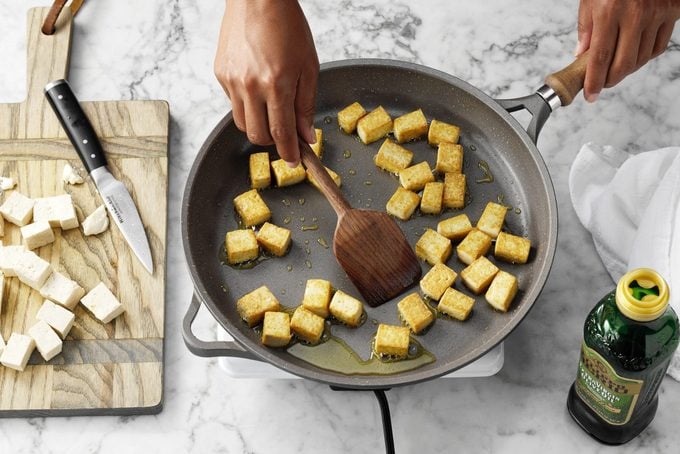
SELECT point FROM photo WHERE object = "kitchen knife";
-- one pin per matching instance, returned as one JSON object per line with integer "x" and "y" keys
{"x": 116, "y": 197}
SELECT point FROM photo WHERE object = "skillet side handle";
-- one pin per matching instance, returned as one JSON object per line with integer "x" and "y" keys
{"x": 208, "y": 349}
{"x": 568, "y": 82}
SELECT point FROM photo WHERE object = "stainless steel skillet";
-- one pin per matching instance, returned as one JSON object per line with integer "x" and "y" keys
{"x": 490, "y": 136}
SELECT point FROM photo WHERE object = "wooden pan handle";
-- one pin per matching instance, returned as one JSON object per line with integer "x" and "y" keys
{"x": 568, "y": 82}
{"x": 328, "y": 187}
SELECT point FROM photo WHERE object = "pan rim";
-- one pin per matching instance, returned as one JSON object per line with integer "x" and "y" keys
{"x": 417, "y": 375}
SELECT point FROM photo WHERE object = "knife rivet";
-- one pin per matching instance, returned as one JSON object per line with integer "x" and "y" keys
{"x": 60, "y": 97}
{"x": 85, "y": 141}
{"x": 92, "y": 155}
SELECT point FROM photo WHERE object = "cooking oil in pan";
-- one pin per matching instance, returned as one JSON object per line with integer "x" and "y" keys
{"x": 250, "y": 264}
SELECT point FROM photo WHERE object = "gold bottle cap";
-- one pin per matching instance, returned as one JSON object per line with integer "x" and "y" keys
{"x": 648, "y": 307}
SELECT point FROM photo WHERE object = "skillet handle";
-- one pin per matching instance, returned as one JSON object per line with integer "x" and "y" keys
{"x": 568, "y": 82}
{"x": 208, "y": 349}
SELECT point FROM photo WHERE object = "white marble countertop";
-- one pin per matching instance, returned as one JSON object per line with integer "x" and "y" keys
{"x": 157, "y": 49}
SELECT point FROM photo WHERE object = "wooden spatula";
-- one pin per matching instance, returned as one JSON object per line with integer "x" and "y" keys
{"x": 369, "y": 245}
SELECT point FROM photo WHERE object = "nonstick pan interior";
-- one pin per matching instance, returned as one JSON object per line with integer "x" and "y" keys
{"x": 489, "y": 134}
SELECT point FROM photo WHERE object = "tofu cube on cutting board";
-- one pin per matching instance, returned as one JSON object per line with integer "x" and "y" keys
{"x": 62, "y": 290}
{"x": 17, "y": 351}
{"x": 478, "y": 275}
{"x": 286, "y": 176}
{"x": 415, "y": 313}
{"x": 276, "y": 329}
{"x": 17, "y": 209}
{"x": 455, "y": 228}
{"x": 393, "y": 157}
{"x": 307, "y": 325}
{"x": 58, "y": 210}
{"x": 317, "y": 296}
{"x": 59, "y": 318}
{"x": 454, "y": 190}
{"x": 502, "y": 290}
{"x": 374, "y": 126}
{"x": 251, "y": 208}
{"x": 31, "y": 269}
{"x": 252, "y": 306}
{"x": 474, "y": 245}
{"x": 415, "y": 178}
{"x": 403, "y": 203}
{"x": 442, "y": 132}
{"x": 392, "y": 340}
{"x": 512, "y": 248}
{"x": 349, "y": 117}
{"x": 346, "y": 308}
{"x": 437, "y": 280}
{"x": 456, "y": 304}
{"x": 46, "y": 340}
{"x": 274, "y": 239}
{"x": 102, "y": 303}
{"x": 410, "y": 126}
{"x": 37, "y": 234}
{"x": 260, "y": 173}
{"x": 433, "y": 247}
{"x": 241, "y": 246}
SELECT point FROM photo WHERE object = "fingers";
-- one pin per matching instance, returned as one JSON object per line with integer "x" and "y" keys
{"x": 585, "y": 27}
{"x": 602, "y": 47}
{"x": 305, "y": 103}
{"x": 257, "y": 127}
{"x": 282, "y": 129}
{"x": 663, "y": 36}
{"x": 626, "y": 56}
{"x": 646, "y": 48}
{"x": 238, "y": 112}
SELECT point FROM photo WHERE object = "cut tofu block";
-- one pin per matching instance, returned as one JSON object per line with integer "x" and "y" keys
{"x": 449, "y": 158}
{"x": 7, "y": 183}
{"x": 62, "y": 290}
{"x": 410, "y": 126}
{"x": 70, "y": 176}
{"x": 17, "y": 209}
{"x": 317, "y": 147}
{"x": 454, "y": 190}
{"x": 251, "y": 208}
{"x": 350, "y": 116}
{"x": 433, "y": 247}
{"x": 260, "y": 174}
{"x": 46, "y": 340}
{"x": 374, "y": 126}
{"x": 9, "y": 259}
{"x": 274, "y": 239}
{"x": 502, "y": 290}
{"x": 286, "y": 176}
{"x": 415, "y": 178}
{"x": 437, "y": 280}
{"x": 431, "y": 203}
{"x": 492, "y": 218}
{"x": 455, "y": 228}
{"x": 415, "y": 313}
{"x": 346, "y": 308}
{"x": 276, "y": 329}
{"x": 403, "y": 203}
{"x": 252, "y": 306}
{"x": 307, "y": 325}
{"x": 102, "y": 303}
{"x": 392, "y": 341}
{"x": 17, "y": 351}
{"x": 456, "y": 304}
{"x": 474, "y": 245}
{"x": 478, "y": 275}
{"x": 57, "y": 210}
{"x": 32, "y": 270}
{"x": 59, "y": 318}
{"x": 241, "y": 246}
{"x": 393, "y": 157}
{"x": 97, "y": 222}
{"x": 442, "y": 132}
{"x": 37, "y": 234}
{"x": 317, "y": 297}
{"x": 336, "y": 178}
{"x": 512, "y": 248}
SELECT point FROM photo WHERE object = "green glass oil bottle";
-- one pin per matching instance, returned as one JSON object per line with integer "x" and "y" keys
{"x": 628, "y": 341}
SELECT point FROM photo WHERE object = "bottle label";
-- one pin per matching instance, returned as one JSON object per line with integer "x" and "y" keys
{"x": 609, "y": 395}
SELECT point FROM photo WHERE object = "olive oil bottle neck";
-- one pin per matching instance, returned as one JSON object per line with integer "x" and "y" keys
{"x": 642, "y": 295}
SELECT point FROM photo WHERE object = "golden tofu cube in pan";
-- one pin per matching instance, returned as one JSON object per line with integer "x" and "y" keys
{"x": 415, "y": 313}
{"x": 410, "y": 126}
{"x": 317, "y": 297}
{"x": 374, "y": 126}
{"x": 474, "y": 245}
{"x": 346, "y": 308}
{"x": 502, "y": 290}
{"x": 442, "y": 132}
{"x": 492, "y": 218}
{"x": 455, "y": 228}
{"x": 403, "y": 203}
{"x": 276, "y": 329}
{"x": 437, "y": 280}
{"x": 456, "y": 304}
{"x": 252, "y": 306}
{"x": 431, "y": 202}
{"x": 415, "y": 178}
{"x": 393, "y": 157}
{"x": 433, "y": 247}
{"x": 349, "y": 117}
{"x": 336, "y": 178}
{"x": 286, "y": 176}
{"x": 241, "y": 246}
{"x": 449, "y": 158}
{"x": 512, "y": 248}
{"x": 307, "y": 325}
{"x": 275, "y": 239}
{"x": 260, "y": 174}
{"x": 317, "y": 147}
{"x": 251, "y": 208}
{"x": 478, "y": 275}
{"x": 392, "y": 340}
{"x": 454, "y": 190}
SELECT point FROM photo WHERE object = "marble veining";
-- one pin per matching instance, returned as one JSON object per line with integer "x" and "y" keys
{"x": 164, "y": 49}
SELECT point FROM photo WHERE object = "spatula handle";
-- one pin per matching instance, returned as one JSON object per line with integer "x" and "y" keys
{"x": 328, "y": 187}
{"x": 568, "y": 81}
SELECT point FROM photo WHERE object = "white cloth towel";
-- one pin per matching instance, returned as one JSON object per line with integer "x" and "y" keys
{"x": 631, "y": 206}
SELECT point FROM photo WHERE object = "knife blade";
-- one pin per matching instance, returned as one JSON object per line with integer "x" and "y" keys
{"x": 115, "y": 195}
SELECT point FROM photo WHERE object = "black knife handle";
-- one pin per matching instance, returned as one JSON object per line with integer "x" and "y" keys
{"x": 76, "y": 124}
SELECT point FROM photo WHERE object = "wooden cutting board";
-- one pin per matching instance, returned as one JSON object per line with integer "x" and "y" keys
{"x": 114, "y": 368}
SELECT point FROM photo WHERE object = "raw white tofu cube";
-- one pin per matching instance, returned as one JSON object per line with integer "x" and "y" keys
{"x": 37, "y": 234}
{"x": 59, "y": 318}
{"x": 70, "y": 176}
{"x": 9, "y": 257}
{"x": 102, "y": 303}
{"x": 17, "y": 209}
{"x": 62, "y": 290}
{"x": 57, "y": 210}
{"x": 97, "y": 222}
{"x": 32, "y": 270}
{"x": 48, "y": 342}
{"x": 17, "y": 351}
{"x": 7, "y": 183}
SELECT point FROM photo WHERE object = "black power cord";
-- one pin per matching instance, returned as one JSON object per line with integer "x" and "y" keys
{"x": 384, "y": 413}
